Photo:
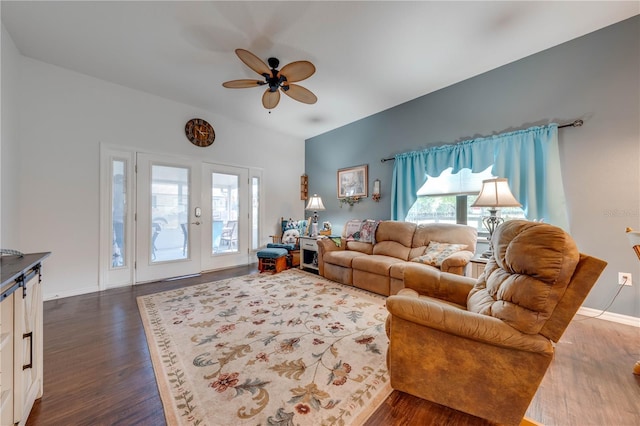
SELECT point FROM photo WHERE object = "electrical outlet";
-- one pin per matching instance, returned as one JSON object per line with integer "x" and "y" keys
{"x": 624, "y": 278}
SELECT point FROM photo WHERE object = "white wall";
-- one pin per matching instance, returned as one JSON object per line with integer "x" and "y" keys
{"x": 63, "y": 118}
{"x": 9, "y": 217}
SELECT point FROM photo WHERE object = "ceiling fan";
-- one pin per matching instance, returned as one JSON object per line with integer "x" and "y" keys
{"x": 283, "y": 79}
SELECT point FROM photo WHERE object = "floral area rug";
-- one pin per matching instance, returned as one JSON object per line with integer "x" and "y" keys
{"x": 284, "y": 349}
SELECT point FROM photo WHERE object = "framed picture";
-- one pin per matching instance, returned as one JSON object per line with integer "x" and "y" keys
{"x": 353, "y": 181}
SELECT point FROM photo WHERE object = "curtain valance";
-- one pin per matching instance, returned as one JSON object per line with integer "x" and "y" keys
{"x": 528, "y": 158}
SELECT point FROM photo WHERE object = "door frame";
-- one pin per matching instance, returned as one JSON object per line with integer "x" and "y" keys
{"x": 109, "y": 277}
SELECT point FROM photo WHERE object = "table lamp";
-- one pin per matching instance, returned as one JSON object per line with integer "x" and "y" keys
{"x": 315, "y": 204}
{"x": 495, "y": 193}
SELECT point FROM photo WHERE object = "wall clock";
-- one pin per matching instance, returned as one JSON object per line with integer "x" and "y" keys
{"x": 199, "y": 132}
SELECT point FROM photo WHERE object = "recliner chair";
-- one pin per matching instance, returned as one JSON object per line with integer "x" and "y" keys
{"x": 483, "y": 346}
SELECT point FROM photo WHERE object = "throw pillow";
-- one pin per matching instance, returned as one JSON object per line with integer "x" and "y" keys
{"x": 361, "y": 230}
{"x": 290, "y": 236}
{"x": 301, "y": 225}
{"x": 437, "y": 252}
{"x": 352, "y": 230}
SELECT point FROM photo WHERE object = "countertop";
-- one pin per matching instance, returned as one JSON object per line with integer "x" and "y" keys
{"x": 11, "y": 267}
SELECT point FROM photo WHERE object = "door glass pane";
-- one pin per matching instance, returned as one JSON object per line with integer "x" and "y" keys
{"x": 224, "y": 208}
{"x": 255, "y": 208}
{"x": 118, "y": 213}
{"x": 170, "y": 213}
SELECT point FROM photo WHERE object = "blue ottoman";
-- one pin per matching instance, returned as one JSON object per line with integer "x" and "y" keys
{"x": 272, "y": 259}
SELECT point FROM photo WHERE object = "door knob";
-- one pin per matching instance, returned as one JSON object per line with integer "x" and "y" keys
{"x": 197, "y": 222}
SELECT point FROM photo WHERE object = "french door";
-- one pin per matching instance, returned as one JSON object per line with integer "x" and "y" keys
{"x": 169, "y": 217}
{"x": 226, "y": 202}
{"x": 164, "y": 216}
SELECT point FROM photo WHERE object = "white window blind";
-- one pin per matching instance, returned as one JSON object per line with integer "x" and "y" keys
{"x": 463, "y": 182}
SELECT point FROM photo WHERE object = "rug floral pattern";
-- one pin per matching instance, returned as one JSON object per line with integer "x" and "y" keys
{"x": 284, "y": 349}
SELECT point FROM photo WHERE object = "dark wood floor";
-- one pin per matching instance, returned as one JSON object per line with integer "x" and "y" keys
{"x": 97, "y": 369}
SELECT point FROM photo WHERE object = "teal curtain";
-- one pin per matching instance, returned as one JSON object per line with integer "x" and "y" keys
{"x": 528, "y": 158}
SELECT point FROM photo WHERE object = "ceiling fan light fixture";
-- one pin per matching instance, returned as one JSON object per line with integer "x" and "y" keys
{"x": 295, "y": 71}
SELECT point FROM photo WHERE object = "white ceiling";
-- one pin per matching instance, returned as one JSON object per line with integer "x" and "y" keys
{"x": 369, "y": 55}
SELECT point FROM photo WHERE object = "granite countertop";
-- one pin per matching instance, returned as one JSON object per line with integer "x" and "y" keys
{"x": 11, "y": 267}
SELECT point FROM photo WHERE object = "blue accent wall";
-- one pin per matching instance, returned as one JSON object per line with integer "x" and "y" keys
{"x": 595, "y": 78}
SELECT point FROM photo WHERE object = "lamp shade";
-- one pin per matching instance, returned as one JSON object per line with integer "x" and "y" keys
{"x": 496, "y": 193}
{"x": 634, "y": 240}
{"x": 315, "y": 203}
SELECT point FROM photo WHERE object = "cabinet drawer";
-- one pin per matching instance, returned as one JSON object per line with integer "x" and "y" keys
{"x": 308, "y": 245}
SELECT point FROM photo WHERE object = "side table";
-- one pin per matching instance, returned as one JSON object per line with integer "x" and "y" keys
{"x": 309, "y": 253}
{"x": 477, "y": 265}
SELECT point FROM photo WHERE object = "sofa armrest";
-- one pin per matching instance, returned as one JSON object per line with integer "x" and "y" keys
{"x": 440, "y": 285}
{"x": 326, "y": 245}
{"x": 456, "y": 263}
{"x": 435, "y": 314}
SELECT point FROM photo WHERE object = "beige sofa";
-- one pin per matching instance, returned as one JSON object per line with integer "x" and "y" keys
{"x": 378, "y": 266}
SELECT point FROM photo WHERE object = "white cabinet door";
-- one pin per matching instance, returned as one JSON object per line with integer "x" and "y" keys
{"x": 6, "y": 361}
{"x": 28, "y": 349}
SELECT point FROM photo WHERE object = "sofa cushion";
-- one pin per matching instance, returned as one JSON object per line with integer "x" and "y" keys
{"x": 397, "y": 269}
{"x": 445, "y": 233}
{"x": 271, "y": 253}
{"x": 437, "y": 252}
{"x": 375, "y": 264}
{"x": 400, "y": 232}
{"x": 282, "y": 246}
{"x": 392, "y": 249}
{"x": 531, "y": 267}
{"x": 342, "y": 257}
{"x": 366, "y": 248}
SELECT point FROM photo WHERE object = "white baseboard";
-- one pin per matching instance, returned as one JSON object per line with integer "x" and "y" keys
{"x": 610, "y": 316}
{"x": 74, "y": 292}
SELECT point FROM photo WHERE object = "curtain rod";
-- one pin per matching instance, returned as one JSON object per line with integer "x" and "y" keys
{"x": 576, "y": 123}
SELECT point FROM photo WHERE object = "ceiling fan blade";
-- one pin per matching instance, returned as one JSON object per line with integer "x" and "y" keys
{"x": 270, "y": 99}
{"x": 300, "y": 94}
{"x": 253, "y": 62}
{"x": 298, "y": 71}
{"x": 241, "y": 84}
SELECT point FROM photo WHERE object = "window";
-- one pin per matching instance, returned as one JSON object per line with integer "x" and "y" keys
{"x": 448, "y": 199}
{"x": 255, "y": 212}
{"x": 170, "y": 213}
{"x": 118, "y": 213}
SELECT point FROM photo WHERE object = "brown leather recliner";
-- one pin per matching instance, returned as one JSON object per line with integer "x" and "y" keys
{"x": 483, "y": 346}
